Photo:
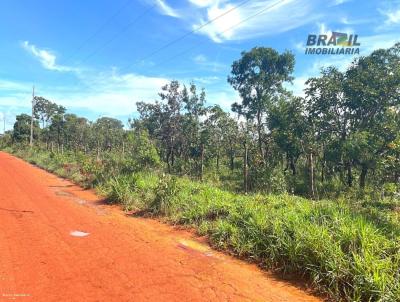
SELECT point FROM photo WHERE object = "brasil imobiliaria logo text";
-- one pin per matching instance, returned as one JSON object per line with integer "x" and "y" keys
{"x": 335, "y": 44}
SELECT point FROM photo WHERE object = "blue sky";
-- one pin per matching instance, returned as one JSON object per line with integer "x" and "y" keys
{"x": 99, "y": 57}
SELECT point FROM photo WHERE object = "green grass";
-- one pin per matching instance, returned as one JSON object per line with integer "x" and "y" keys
{"x": 348, "y": 250}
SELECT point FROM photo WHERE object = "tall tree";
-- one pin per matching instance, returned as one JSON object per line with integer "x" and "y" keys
{"x": 372, "y": 86}
{"x": 44, "y": 110}
{"x": 258, "y": 76}
{"x": 22, "y": 126}
{"x": 108, "y": 132}
{"x": 329, "y": 111}
{"x": 288, "y": 126}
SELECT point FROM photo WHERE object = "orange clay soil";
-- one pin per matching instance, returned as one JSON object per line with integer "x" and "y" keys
{"x": 121, "y": 259}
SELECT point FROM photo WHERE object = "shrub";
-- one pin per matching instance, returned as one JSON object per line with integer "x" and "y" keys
{"x": 165, "y": 195}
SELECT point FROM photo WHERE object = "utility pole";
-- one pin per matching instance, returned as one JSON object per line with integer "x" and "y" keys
{"x": 4, "y": 123}
{"x": 33, "y": 104}
{"x": 245, "y": 167}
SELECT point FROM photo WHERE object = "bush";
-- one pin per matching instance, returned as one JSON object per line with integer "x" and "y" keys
{"x": 165, "y": 195}
{"x": 269, "y": 180}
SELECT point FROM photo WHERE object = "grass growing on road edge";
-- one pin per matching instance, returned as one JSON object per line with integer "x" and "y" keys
{"x": 349, "y": 251}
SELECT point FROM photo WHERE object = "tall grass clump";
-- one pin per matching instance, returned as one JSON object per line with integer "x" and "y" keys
{"x": 133, "y": 190}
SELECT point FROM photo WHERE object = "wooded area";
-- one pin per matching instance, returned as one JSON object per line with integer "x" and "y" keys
{"x": 342, "y": 136}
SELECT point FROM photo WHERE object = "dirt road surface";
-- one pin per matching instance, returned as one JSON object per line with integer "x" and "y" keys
{"x": 59, "y": 242}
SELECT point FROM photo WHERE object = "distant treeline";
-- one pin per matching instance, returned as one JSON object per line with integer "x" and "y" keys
{"x": 343, "y": 135}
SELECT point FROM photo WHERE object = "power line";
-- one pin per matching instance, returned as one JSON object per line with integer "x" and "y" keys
{"x": 124, "y": 29}
{"x": 222, "y": 32}
{"x": 193, "y": 31}
{"x": 169, "y": 43}
{"x": 33, "y": 104}
{"x": 190, "y": 32}
{"x": 100, "y": 28}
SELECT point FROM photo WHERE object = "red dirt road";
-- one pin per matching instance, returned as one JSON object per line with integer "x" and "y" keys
{"x": 122, "y": 258}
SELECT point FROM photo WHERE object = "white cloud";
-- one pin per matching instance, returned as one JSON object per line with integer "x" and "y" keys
{"x": 16, "y": 100}
{"x": 46, "y": 57}
{"x": 392, "y": 16}
{"x": 200, "y": 59}
{"x": 299, "y": 46}
{"x": 166, "y": 9}
{"x": 220, "y": 29}
{"x": 371, "y": 43}
{"x": 6, "y": 85}
{"x": 324, "y": 30}
{"x": 203, "y": 3}
{"x": 338, "y": 2}
{"x": 116, "y": 94}
{"x": 225, "y": 99}
{"x": 298, "y": 85}
{"x": 206, "y": 79}
{"x": 346, "y": 21}
{"x": 234, "y": 20}
{"x": 252, "y": 19}
{"x": 110, "y": 92}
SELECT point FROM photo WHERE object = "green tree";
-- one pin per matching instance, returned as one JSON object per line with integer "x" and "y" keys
{"x": 141, "y": 150}
{"x": 288, "y": 126}
{"x": 77, "y": 132}
{"x": 44, "y": 110}
{"x": 22, "y": 128}
{"x": 259, "y": 76}
{"x": 372, "y": 87}
{"x": 329, "y": 111}
{"x": 108, "y": 133}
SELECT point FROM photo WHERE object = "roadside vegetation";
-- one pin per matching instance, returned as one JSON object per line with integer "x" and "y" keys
{"x": 298, "y": 185}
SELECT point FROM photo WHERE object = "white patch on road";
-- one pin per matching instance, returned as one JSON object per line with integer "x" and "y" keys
{"x": 78, "y": 234}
